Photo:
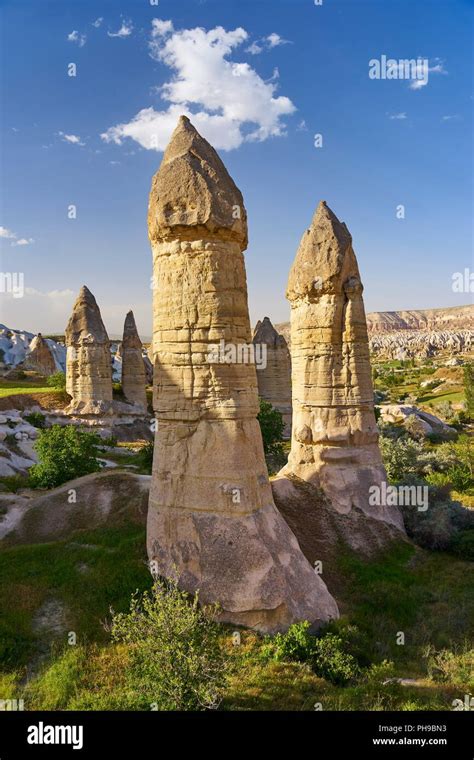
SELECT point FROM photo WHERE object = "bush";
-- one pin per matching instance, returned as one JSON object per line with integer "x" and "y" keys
{"x": 453, "y": 667}
{"x": 57, "y": 381}
{"x": 325, "y": 654}
{"x": 436, "y": 528}
{"x": 403, "y": 457}
{"x": 64, "y": 453}
{"x": 272, "y": 426}
{"x": 145, "y": 457}
{"x": 176, "y": 661}
{"x": 36, "y": 419}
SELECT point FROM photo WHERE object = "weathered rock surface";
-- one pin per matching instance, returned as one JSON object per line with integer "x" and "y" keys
{"x": 133, "y": 368}
{"x": 451, "y": 319}
{"x": 105, "y": 499}
{"x": 212, "y": 521}
{"x": 39, "y": 357}
{"x": 274, "y": 379}
{"x": 411, "y": 344}
{"x": 427, "y": 424}
{"x": 15, "y": 345}
{"x": 334, "y": 442}
{"x": 88, "y": 364}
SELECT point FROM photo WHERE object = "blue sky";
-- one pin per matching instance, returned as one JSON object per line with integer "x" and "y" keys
{"x": 384, "y": 142}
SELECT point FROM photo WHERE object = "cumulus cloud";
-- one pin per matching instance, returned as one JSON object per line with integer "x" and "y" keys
{"x": 79, "y": 39}
{"x": 398, "y": 116}
{"x": 72, "y": 139}
{"x": 23, "y": 241}
{"x": 98, "y": 22}
{"x": 266, "y": 43}
{"x": 231, "y": 103}
{"x": 125, "y": 30}
{"x": 10, "y": 235}
{"x": 6, "y": 233}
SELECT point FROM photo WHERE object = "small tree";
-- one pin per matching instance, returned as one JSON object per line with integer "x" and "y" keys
{"x": 176, "y": 659}
{"x": 57, "y": 381}
{"x": 64, "y": 453}
{"x": 272, "y": 426}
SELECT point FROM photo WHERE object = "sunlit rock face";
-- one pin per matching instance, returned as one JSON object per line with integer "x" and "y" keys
{"x": 134, "y": 378}
{"x": 212, "y": 522}
{"x": 88, "y": 360}
{"x": 274, "y": 372}
{"x": 334, "y": 441}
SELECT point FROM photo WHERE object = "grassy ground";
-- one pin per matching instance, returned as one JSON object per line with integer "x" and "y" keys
{"x": 19, "y": 387}
{"x": 427, "y": 596}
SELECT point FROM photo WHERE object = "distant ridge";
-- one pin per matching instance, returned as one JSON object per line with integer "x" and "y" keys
{"x": 450, "y": 319}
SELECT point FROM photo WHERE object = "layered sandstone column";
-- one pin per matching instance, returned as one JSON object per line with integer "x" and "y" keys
{"x": 212, "y": 522}
{"x": 88, "y": 360}
{"x": 133, "y": 367}
{"x": 334, "y": 436}
{"x": 274, "y": 376}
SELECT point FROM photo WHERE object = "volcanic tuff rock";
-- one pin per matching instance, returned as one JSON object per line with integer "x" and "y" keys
{"x": 88, "y": 362}
{"x": 212, "y": 522}
{"x": 451, "y": 319}
{"x": 416, "y": 333}
{"x": 39, "y": 357}
{"x": 274, "y": 379}
{"x": 334, "y": 438}
{"x": 133, "y": 367}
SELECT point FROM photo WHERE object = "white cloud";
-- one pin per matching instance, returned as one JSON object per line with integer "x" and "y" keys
{"x": 254, "y": 49}
{"x": 231, "y": 102}
{"x": 73, "y": 139}
{"x": 23, "y": 241}
{"x": 398, "y": 116}
{"x": 274, "y": 40}
{"x": 125, "y": 30}
{"x": 437, "y": 68}
{"x": 80, "y": 39}
{"x": 452, "y": 117}
{"x": 6, "y": 233}
{"x": 98, "y": 22}
{"x": 10, "y": 235}
{"x": 266, "y": 43}
{"x": 160, "y": 28}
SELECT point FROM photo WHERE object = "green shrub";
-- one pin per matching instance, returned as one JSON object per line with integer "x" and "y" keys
{"x": 36, "y": 419}
{"x": 454, "y": 667}
{"x": 325, "y": 654}
{"x": 57, "y": 381}
{"x": 403, "y": 457}
{"x": 176, "y": 660}
{"x": 272, "y": 426}
{"x": 13, "y": 483}
{"x": 111, "y": 441}
{"x": 468, "y": 377}
{"x": 145, "y": 457}
{"x": 64, "y": 453}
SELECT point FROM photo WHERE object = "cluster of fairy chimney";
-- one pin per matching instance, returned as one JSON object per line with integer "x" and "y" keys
{"x": 89, "y": 366}
{"x": 212, "y": 520}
